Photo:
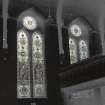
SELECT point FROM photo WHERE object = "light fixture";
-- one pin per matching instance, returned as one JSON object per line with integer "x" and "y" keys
{"x": 29, "y": 22}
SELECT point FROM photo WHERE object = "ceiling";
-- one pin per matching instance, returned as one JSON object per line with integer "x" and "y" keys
{"x": 91, "y": 9}
{"x": 16, "y": 6}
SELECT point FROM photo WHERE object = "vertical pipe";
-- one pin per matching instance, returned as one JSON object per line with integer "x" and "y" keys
{"x": 60, "y": 41}
{"x": 102, "y": 29}
{"x": 59, "y": 24}
{"x": 5, "y": 16}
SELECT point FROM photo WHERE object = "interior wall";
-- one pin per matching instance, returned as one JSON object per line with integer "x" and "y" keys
{"x": 101, "y": 25}
{"x": 103, "y": 95}
{"x": 92, "y": 10}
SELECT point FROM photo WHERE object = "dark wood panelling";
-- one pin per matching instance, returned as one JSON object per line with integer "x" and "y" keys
{"x": 84, "y": 71}
{"x": 1, "y": 33}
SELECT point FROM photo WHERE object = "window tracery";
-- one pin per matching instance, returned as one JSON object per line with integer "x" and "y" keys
{"x": 30, "y": 60}
{"x": 83, "y": 50}
{"x": 23, "y": 66}
{"x": 78, "y": 30}
{"x": 73, "y": 51}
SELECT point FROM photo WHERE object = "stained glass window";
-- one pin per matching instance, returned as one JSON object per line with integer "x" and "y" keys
{"x": 75, "y": 30}
{"x": 23, "y": 65}
{"x": 29, "y": 22}
{"x": 38, "y": 65}
{"x": 83, "y": 50}
{"x": 78, "y": 30}
{"x": 30, "y": 60}
{"x": 73, "y": 51}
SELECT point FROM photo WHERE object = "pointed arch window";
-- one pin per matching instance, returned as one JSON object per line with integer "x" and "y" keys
{"x": 83, "y": 50}
{"x": 31, "y": 77}
{"x": 38, "y": 64}
{"x": 78, "y": 30}
{"x": 73, "y": 51}
{"x": 23, "y": 65}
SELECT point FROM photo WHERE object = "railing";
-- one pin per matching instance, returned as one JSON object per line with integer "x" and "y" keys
{"x": 86, "y": 70}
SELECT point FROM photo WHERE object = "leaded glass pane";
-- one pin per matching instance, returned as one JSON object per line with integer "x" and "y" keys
{"x": 29, "y": 22}
{"x": 23, "y": 66}
{"x": 73, "y": 51}
{"x": 79, "y": 30}
{"x": 83, "y": 50}
{"x": 75, "y": 30}
{"x": 38, "y": 65}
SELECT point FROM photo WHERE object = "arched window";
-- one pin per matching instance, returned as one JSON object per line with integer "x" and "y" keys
{"x": 38, "y": 64}
{"x": 73, "y": 51}
{"x": 78, "y": 30}
{"x": 23, "y": 64}
{"x": 30, "y": 58}
{"x": 83, "y": 50}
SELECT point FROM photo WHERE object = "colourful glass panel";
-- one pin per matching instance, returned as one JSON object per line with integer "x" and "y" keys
{"x": 23, "y": 66}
